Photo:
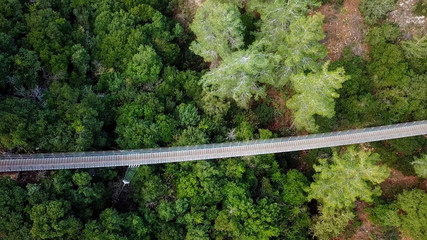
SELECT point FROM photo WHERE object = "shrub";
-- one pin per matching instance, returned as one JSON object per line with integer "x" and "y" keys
{"x": 421, "y": 8}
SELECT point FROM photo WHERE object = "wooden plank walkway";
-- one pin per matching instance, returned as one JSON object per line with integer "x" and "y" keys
{"x": 97, "y": 159}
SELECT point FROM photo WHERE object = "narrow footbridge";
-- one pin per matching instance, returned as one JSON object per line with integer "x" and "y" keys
{"x": 51, "y": 161}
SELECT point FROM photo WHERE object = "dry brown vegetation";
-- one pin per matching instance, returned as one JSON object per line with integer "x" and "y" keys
{"x": 343, "y": 27}
{"x": 282, "y": 120}
{"x": 185, "y": 11}
{"x": 408, "y": 22}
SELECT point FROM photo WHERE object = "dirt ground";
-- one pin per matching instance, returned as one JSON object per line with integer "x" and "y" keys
{"x": 343, "y": 27}
{"x": 31, "y": 177}
{"x": 408, "y": 22}
{"x": 367, "y": 229}
{"x": 12, "y": 175}
{"x": 283, "y": 120}
{"x": 397, "y": 182}
{"x": 391, "y": 187}
{"x": 185, "y": 11}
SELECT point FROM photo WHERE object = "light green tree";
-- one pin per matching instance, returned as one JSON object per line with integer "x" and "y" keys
{"x": 413, "y": 213}
{"x": 80, "y": 59}
{"x": 420, "y": 166}
{"x": 326, "y": 227}
{"x": 287, "y": 32}
{"x": 219, "y": 30}
{"x": 416, "y": 52}
{"x": 303, "y": 50}
{"x": 275, "y": 18}
{"x": 240, "y": 76}
{"x": 348, "y": 177}
{"x": 315, "y": 93}
{"x": 374, "y": 10}
{"x": 188, "y": 114}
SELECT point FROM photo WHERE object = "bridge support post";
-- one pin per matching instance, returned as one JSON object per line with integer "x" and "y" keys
{"x": 130, "y": 172}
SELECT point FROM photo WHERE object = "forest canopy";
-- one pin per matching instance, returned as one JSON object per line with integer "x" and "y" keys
{"x": 109, "y": 75}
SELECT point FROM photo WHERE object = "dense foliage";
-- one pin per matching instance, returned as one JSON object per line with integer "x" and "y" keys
{"x": 100, "y": 75}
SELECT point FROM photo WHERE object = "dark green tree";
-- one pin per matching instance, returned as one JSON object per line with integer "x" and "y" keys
{"x": 144, "y": 67}
{"x": 18, "y": 128}
{"x": 52, "y": 219}
{"x": 13, "y": 217}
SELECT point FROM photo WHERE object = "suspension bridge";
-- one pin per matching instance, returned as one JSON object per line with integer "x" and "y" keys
{"x": 132, "y": 158}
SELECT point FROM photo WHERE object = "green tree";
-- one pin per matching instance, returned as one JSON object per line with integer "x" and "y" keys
{"x": 26, "y": 67}
{"x": 315, "y": 95}
{"x": 242, "y": 218}
{"x": 136, "y": 126}
{"x": 88, "y": 193}
{"x": 386, "y": 33}
{"x": 7, "y": 50}
{"x": 48, "y": 35}
{"x": 11, "y": 14}
{"x": 80, "y": 59}
{"x": 294, "y": 187}
{"x": 167, "y": 127}
{"x": 178, "y": 86}
{"x": 240, "y": 76}
{"x": 374, "y": 10}
{"x": 276, "y": 17}
{"x": 144, "y": 67}
{"x": 347, "y": 178}
{"x": 74, "y": 119}
{"x": 166, "y": 211}
{"x": 109, "y": 226}
{"x": 330, "y": 226}
{"x": 421, "y": 8}
{"x": 400, "y": 91}
{"x": 219, "y": 30}
{"x": 191, "y": 136}
{"x": 52, "y": 219}
{"x": 388, "y": 66}
{"x": 188, "y": 114}
{"x": 17, "y": 127}
{"x": 416, "y": 53}
{"x": 420, "y": 166}
{"x": 302, "y": 50}
{"x": 413, "y": 213}
{"x": 201, "y": 184}
{"x": 4, "y": 70}
{"x": 13, "y": 200}
{"x": 148, "y": 186}
{"x": 357, "y": 106}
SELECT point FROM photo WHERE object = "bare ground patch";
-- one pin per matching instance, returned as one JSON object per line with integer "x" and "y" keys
{"x": 367, "y": 229}
{"x": 343, "y": 27}
{"x": 283, "y": 118}
{"x": 31, "y": 177}
{"x": 12, "y": 175}
{"x": 185, "y": 10}
{"x": 392, "y": 186}
{"x": 405, "y": 18}
{"x": 397, "y": 182}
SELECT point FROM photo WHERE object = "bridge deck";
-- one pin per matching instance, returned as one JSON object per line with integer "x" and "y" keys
{"x": 51, "y": 161}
